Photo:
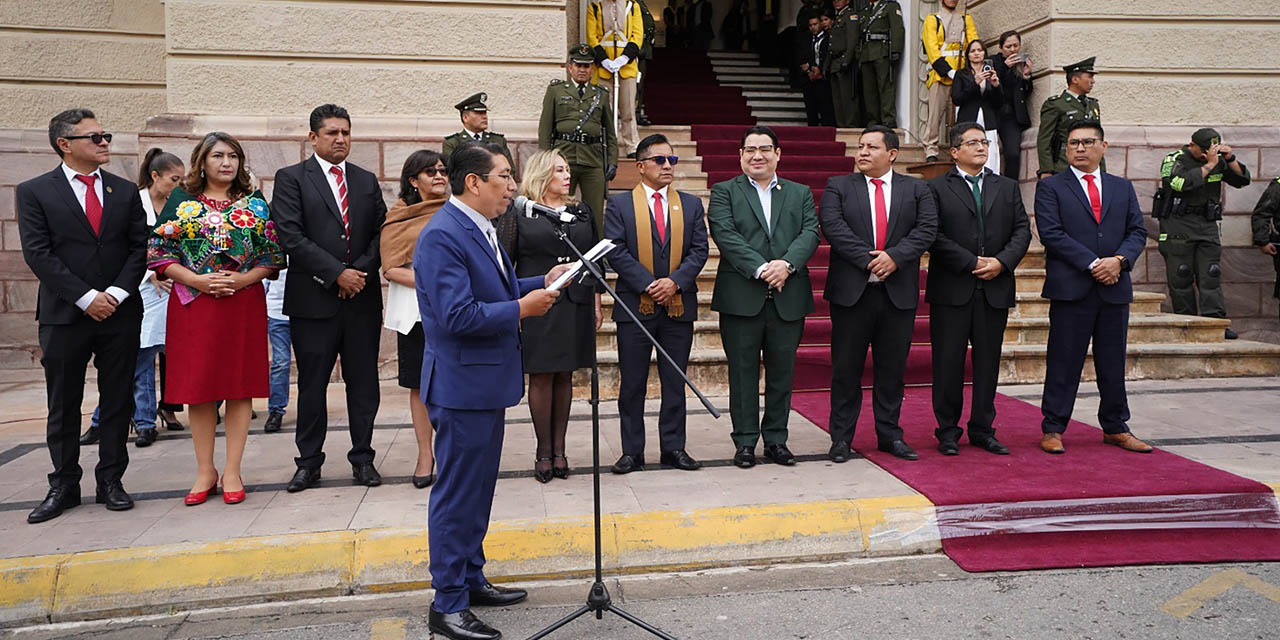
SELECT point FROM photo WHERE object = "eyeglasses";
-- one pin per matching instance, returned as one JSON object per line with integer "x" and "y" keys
{"x": 1082, "y": 142}
{"x": 505, "y": 176}
{"x": 434, "y": 171}
{"x": 661, "y": 160}
{"x": 95, "y": 138}
{"x": 765, "y": 149}
{"x": 973, "y": 144}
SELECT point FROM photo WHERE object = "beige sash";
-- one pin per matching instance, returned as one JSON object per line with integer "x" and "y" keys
{"x": 644, "y": 244}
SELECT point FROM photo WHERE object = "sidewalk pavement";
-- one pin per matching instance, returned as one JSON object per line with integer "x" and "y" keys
{"x": 340, "y": 538}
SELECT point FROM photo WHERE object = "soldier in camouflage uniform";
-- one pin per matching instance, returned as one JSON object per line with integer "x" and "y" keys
{"x": 1266, "y": 227}
{"x": 1189, "y": 239}
{"x": 880, "y": 49}
{"x": 475, "y": 127}
{"x": 1060, "y": 111}
{"x": 577, "y": 121}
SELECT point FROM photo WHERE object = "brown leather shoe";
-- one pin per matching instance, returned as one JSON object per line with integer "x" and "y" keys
{"x": 1052, "y": 443}
{"x": 1127, "y": 442}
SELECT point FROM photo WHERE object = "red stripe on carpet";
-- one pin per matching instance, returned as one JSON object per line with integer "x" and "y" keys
{"x": 1089, "y": 472}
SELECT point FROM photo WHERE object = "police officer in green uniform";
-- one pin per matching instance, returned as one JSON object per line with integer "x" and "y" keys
{"x": 1059, "y": 111}
{"x": 577, "y": 121}
{"x": 1266, "y": 227}
{"x": 883, "y": 36}
{"x": 475, "y": 127}
{"x": 1191, "y": 179}
{"x": 646, "y": 54}
{"x": 842, "y": 64}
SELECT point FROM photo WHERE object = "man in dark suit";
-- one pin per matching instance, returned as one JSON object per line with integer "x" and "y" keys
{"x": 1092, "y": 231}
{"x": 329, "y": 214}
{"x": 471, "y": 304}
{"x": 662, "y": 242}
{"x": 878, "y": 223}
{"x": 762, "y": 290}
{"x": 84, "y": 236}
{"x": 813, "y": 54}
{"x": 983, "y": 232}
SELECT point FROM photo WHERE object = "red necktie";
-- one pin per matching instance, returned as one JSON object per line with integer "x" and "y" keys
{"x": 882, "y": 214}
{"x": 342, "y": 198}
{"x": 1095, "y": 198}
{"x": 658, "y": 218}
{"x": 92, "y": 205}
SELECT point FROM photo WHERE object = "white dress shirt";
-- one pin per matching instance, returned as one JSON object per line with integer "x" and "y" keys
{"x": 470, "y": 134}
{"x": 666, "y": 205}
{"x": 766, "y": 205}
{"x": 1084, "y": 186}
{"x": 486, "y": 227}
{"x": 82, "y": 192}
{"x": 325, "y": 166}
{"x": 871, "y": 204}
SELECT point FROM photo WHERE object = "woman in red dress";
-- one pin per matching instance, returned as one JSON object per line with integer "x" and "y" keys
{"x": 215, "y": 240}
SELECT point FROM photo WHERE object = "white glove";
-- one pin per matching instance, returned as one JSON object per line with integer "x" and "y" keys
{"x": 951, "y": 74}
{"x": 621, "y": 61}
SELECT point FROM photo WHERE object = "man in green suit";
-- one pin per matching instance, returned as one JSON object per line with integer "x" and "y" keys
{"x": 762, "y": 290}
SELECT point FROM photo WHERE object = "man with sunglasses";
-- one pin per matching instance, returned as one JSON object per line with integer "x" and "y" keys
{"x": 84, "y": 236}
{"x": 766, "y": 229}
{"x": 663, "y": 247}
{"x": 1092, "y": 231}
{"x": 983, "y": 232}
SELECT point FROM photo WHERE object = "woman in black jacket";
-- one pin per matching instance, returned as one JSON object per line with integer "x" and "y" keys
{"x": 976, "y": 93}
{"x": 1014, "y": 70}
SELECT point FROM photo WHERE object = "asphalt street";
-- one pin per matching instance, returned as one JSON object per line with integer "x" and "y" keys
{"x": 920, "y": 597}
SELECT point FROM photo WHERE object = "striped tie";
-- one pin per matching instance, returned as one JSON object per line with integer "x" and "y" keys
{"x": 342, "y": 200}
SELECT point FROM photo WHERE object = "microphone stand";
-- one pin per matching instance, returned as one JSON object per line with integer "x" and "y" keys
{"x": 598, "y": 599}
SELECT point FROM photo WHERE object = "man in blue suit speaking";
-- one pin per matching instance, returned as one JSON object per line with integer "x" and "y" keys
{"x": 471, "y": 304}
{"x": 1092, "y": 231}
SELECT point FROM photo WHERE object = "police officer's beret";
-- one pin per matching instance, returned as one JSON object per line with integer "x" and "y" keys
{"x": 581, "y": 53}
{"x": 474, "y": 103}
{"x": 1085, "y": 65}
{"x": 1205, "y": 138}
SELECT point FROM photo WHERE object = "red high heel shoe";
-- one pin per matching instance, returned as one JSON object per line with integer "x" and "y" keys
{"x": 198, "y": 497}
{"x": 232, "y": 497}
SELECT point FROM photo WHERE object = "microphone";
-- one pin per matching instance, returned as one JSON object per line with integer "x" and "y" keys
{"x": 531, "y": 209}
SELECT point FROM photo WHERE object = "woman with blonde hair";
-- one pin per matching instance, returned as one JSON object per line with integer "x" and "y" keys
{"x": 564, "y": 339}
{"x": 216, "y": 242}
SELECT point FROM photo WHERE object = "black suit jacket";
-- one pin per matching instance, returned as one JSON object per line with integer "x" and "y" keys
{"x": 310, "y": 228}
{"x": 968, "y": 97}
{"x": 846, "y": 219}
{"x": 955, "y": 251}
{"x": 1016, "y": 90}
{"x": 805, "y": 52}
{"x": 68, "y": 259}
{"x": 633, "y": 278}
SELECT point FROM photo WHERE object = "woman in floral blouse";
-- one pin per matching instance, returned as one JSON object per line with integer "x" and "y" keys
{"x": 216, "y": 241}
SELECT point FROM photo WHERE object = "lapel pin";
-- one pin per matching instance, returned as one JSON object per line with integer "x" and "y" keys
{"x": 108, "y": 189}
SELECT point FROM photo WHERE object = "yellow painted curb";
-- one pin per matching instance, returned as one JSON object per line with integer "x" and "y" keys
{"x": 139, "y": 579}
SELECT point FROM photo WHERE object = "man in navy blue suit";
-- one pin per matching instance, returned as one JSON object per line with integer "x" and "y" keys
{"x": 471, "y": 304}
{"x": 1092, "y": 232}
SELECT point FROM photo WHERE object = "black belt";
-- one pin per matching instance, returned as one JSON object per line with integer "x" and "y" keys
{"x": 580, "y": 138}
{"x": 876, "y": 37}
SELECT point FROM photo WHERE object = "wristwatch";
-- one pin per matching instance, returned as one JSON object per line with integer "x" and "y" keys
{"x": 1124, "y": 262}
{"x": 791, "y": 268}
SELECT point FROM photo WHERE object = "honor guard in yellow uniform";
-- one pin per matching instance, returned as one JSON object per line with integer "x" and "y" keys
{"x": 475, "y": 127}
{"x": 944, "y": 37}
{"x": 615, "y": 32}
{"x": 1060, "y": 111}
{"x": 577, "y": 121}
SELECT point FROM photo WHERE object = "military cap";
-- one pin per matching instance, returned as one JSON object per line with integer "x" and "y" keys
{"x": 581, "y": 53}
{"x": 1085, "y": 65}
{"x": 474, "y": 103}
{"x": 1205, "y": 138}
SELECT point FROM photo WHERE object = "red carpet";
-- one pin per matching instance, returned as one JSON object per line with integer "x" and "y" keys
{"x": 1094, "y": 506}
{"x": 1097, "y": 505}
{"x": 683, "y": 89}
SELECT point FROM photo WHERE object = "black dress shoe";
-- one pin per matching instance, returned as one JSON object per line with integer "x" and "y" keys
{"x": 462, "y": 625}
{"x": 493, "y": 596}
{"x": 145, "y": 437}
{"x": 113, "y": 495}
{"x": 59, "y": 499}
{"x": 745, "y": 458}
{"x": 990, "y": 444}
{"x": 627, "y": 464}
{"x": 1230, "y": 335}
{"x": 273, "y": 423}
{"x": 680, "y": 459}
{"x": 948, "y": 448}
{"x": 365, "y": 475}
{"x": 643, "y": 120}
{"x": 900, "y": 449}
{"x": 839, "y": 452}
{"x": 90, "y": 436}
{"x": 422, "y": 482}
{"x": 779, "y": 454}
{"x": 303, "y": 478}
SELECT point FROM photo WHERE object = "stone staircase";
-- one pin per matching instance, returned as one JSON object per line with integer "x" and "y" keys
{"x": 771, "y": 98}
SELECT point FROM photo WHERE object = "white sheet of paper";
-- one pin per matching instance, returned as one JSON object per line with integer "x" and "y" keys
{"x": 575, "y": 268}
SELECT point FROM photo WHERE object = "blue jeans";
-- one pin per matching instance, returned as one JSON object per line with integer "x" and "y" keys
{"x": 278, "y": 333}
{"x": 144, "y": 389}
